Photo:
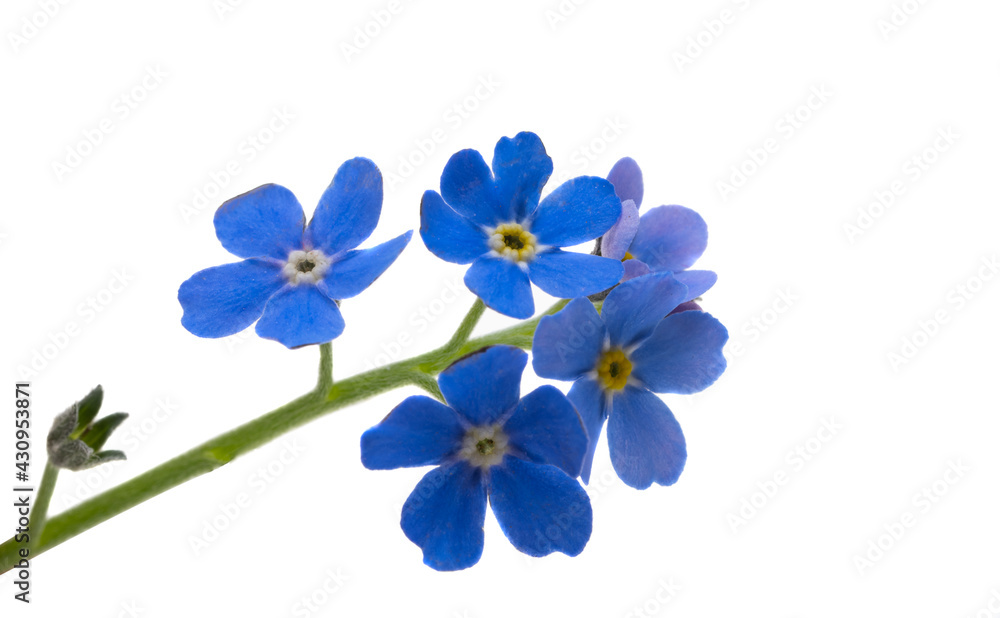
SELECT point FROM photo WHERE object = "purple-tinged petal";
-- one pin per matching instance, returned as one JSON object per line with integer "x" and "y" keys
{"x": 359, "y": 268}
{"x": 688, "y": 305}
{"x": 670, "y": 238}
{"x": 467, "y": 186}
{"x": 447, "y": 234}
{"x": 223, "y": 300}
{"x": 627, "y": 179}
{"x": 539, "y": 508}
{"x": 683, "y": 355}
{"x": 697, "y": 281}
{"x": 590, "y": 401}
{"x": 568, "y": 344}
{"x": 646, "y": 442}
{"x": 581, "y": 209}
{"x": 349, "y": 209}
{"x": 546, "y": 428}
{"x": 618, "y": 239}
{"x": 634, "y": 308}
{"x": 444, "y": 516}
{"x": 570, "y": 275}
{"x": 418, "y": 432}
{"x": 263, "y": 222}
{"x": 484, "y": 385}
{"x": 503, "y": 285}
{"x": 300, "y": 315}
{"x": 521, "y": 168}
{"x": 634, "y": 268}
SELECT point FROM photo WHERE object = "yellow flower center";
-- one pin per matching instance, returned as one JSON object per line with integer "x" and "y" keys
{"x": 614, "y": 369}
{"x": 628, "y": 256}
{"x": 513, "y": 242}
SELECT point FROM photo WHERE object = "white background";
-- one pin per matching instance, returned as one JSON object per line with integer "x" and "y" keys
{"x": 671, "y": 84}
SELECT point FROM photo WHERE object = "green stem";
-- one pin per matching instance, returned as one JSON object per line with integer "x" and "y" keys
{"x": 325, "y": 380}
{"x": 40, "y": 511}
{"x": 327, "y": 397}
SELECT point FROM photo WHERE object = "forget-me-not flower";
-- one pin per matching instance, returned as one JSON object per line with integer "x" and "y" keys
{"x": 620, "y": 358}
{"x": 494, "y": 220}
{"x": 665, "y": 239}
{"x": 293, "y": 276}
{"x": 521, "y": 454}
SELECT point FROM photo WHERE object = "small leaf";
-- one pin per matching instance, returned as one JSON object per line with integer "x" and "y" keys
{"x": 97, "y": 434}
{"x": 87, "y": 409}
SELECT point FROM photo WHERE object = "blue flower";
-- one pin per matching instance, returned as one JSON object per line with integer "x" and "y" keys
{"x": 665, "y": 239}
{"x": 523, "y": 454}
{"x": 494, "y": 221}
{"x": 293, "y": 276}
{"x": 619, "y": 358}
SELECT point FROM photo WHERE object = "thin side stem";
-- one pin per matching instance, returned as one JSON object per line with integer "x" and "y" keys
{"x": 40, "y": 511}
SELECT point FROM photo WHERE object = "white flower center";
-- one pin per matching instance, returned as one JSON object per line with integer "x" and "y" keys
{"x": 513, "y": 242}
{"x": 306, "y": 266}
{"x": 484, "y": 446}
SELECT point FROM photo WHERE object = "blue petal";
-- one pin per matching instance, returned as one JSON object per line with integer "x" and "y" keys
{"x": 569, "y": 275}
{"x": 484, "y": 385}
{"x": 467, "y": 186}
{"x": 683, "y": 355}
{"x": 627, "y": 179}
{"x": 697, "y": 281}
{"x": 444, "y": 516}
{"x": 502, "y": 285}
{"x": 670, "y": 238}
{"x": 615, "y": 243}
{"x": 547, "y": 429}
{"x": 223, "y": 300}
{"x": 359, "y": 268}
{"x": 418, "y": 432}
{"x": 646, "y": 442}
{"x": 589, "y": 398}
{"x": 521, "y": 168}
{"x": 634, "y": 268}
{"x": 449, "y": 235}
{"x": 300, "y": 315}
{"x": 633, "y": 309}
{"x": 264, "y": 222}
{"x": 567, "y": 345}
{"x": 581, "y": 209}
{"x": 540, "y": 509}
{"x": 349, "y": 209}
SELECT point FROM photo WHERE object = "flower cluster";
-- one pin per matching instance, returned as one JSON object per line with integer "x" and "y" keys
{"x": 630, "y": 331}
